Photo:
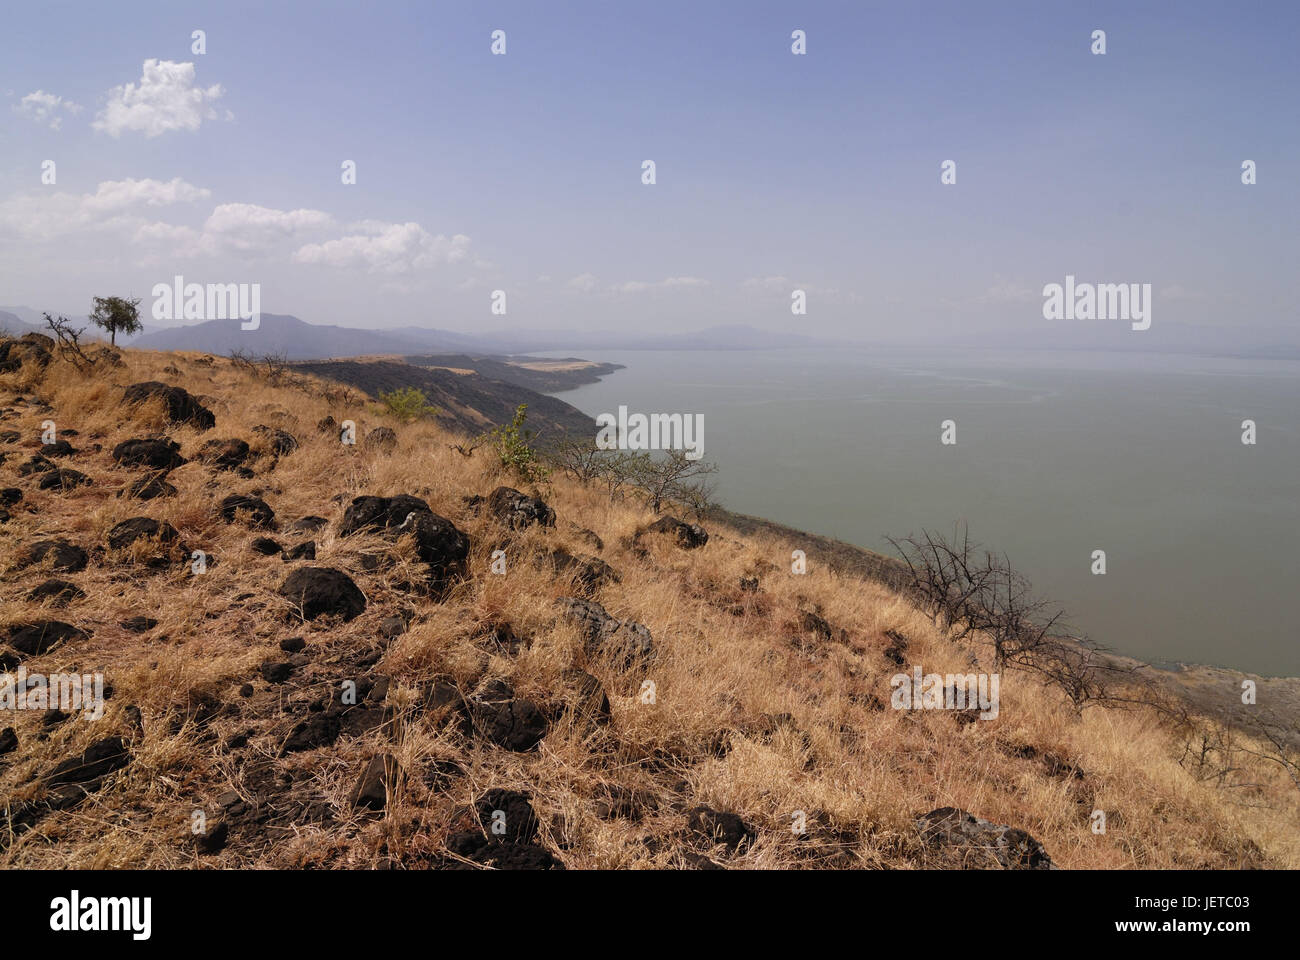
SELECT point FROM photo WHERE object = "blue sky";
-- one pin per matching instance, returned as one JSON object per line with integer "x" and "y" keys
{"x": 774, "y": 172}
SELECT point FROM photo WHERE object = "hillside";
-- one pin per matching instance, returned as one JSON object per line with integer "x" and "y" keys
{"x": 468, "y": 402}
{"x": 352, "y": 679}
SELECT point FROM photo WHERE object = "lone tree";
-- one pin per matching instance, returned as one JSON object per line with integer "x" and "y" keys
{"x": 116, "y": 314}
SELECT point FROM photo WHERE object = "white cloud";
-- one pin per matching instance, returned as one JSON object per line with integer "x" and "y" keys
{"x": 165, "y": 99}
{"x": 115, "y": 204}
{"x": 387, "y": 248}
{"x": 44, "y": 108}
{"x": 248, "y": 228}
{"x": 1008, "y": 291}
{"x": 586, "y": 282}
{"x": 669, "y": 283}
{"x": 768, "y": 284}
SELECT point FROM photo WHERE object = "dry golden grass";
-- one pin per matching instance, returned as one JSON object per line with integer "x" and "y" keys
{"x": 861, "y": 772}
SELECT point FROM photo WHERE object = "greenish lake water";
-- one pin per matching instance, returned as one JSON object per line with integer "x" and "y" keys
{"x": 1057, "y": 455}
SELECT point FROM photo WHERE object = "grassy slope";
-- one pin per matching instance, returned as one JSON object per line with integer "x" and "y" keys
{"x": 725, "y": 660}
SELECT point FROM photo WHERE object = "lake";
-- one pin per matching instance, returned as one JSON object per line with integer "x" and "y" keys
{"x": 1056, "y": 455}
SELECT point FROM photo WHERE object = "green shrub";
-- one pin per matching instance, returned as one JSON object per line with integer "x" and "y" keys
{"x": 513, "y": 447}
{"x": 407, "y": 404}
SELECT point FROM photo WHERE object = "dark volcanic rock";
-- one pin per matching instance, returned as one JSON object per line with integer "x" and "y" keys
{"x": 139, "y": 624}
{"x": 276, "y": 671}
{"x": 438, "y": 542}
{"x": 507, "y": 815}
{"x": 968, "y": 841}
{"x": 99, "y": 760}
{"x": 381, "y": 438}
{"x": 714, "y": 826}
{"x": 67, "y": 557}
{"x": 687, "y": 535}
{"x": 158, "y": 453}
{"x": 472, "y": 845}
{"x": 443, "y": 701}
{"x": 33, "y": 639}
{"x": 59, "y": 448}
{"x": 626, "y": 642}
{"x": 589, "y": 573}
{"x": 58, "y": 592}
{"x": 181, "y": 407}
{"x": 9, "y": 496}
{"x": 318, "y": 591}
{"x": 140, "y": 528}
{"x": 585, "y": 698}
{"x": 63, "y": 479}
{"x": 8, "y": 741}
{"x": 303, "y": 551}
{"x": 266, "y": 546}
{"x": 318, "y": 730}
{"x": 515, "y": 724}
{"x": 258, "y": 511}
{"x": 282, "y": 442}
{"x": 518, "y": 510}
{"x": 150, "y": 488}
{"x": 228, "y": 454}
{"x": 35, "y": 464}
{"x": 371, "y": 791}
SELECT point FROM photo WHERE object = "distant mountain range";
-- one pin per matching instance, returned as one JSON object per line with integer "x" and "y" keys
{"x": 299, "y": 340}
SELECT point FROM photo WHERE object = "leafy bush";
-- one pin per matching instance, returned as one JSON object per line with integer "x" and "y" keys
{"x": 407, "y": 404}
{"x": 513, "y": 444}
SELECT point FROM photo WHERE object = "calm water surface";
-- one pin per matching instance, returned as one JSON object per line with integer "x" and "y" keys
{"x": 1057, "y": 455}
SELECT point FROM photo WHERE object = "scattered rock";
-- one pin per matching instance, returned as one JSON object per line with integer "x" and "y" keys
{"x": 507, "y": 815}
{"x": 140, "y": 528}
{"x": 439, "y": 543}
{"x": 98, "y": 761}
{"x": 266, "y": 547}
{"x": 320, "y": 591}
{"x": 35, "y": 464}
{"x": 58, "y": 448}
{"x": 382, "y": 439}
{"x": 276, "y": 671}
{"x": 472, "y": 845}
{"x": 66, "y": 557}
{"x": 64, "y": 479}
{"x": 258, "y": 511}
{"x": 626, "y": 642}
{"x": 9, "y": 496}
{"x": 34, "y": 639}
{"x": 159, "y": 453}
{"x": 282, "y": 442}
{"x": 293, "y": 644}
{"x": 371, "y": 791}
{"x": 58, "y": 592}
{"x": 150, "y": 488}
{"x": 515, "y": 724}
{"x": 968, "y": 841}
{"x": 518, "y": 510}
{"x": 227, "y": 454}
{"x": 303, "y": 551}
{"x": 138, "y": 624}
{"x": 213, "y": 840}
{"x": 181, "y": 407}
{"x": 688, "y": 536}
{"x": 714, "y": 826}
